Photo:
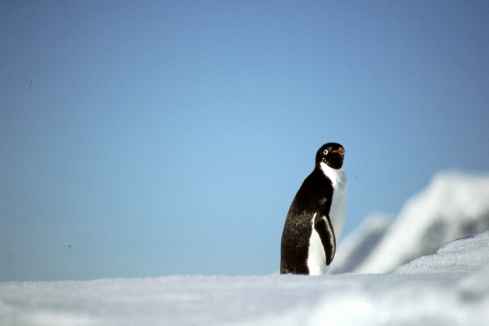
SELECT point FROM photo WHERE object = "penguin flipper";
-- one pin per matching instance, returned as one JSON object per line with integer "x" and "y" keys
{"x": 324, "y": 228}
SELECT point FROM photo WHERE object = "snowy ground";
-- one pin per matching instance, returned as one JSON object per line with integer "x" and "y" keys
{"x": 449, "y": 288}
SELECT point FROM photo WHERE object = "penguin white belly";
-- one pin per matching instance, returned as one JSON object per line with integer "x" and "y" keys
{"x": 316, "y": 257}
{"x": 337, "y": 212}
{"x": 338, "y": 209}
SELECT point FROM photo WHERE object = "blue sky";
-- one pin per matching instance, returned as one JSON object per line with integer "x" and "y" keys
{"x": 155, "y": 138}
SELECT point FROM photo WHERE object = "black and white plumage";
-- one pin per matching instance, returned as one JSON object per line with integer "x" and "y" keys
{"x": 316, "y": 216}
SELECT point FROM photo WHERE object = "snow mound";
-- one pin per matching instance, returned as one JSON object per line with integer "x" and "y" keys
{"x": 429, "y": 306}
{"x": 465, "y": 255}
{"x": 355, "y": 248}
{"x": 428, "y": 291}
{"x": 448, "y": 288}
{"x": 453, "y": 206}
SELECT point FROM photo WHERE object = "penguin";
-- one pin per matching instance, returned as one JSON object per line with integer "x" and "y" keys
{"x": 316, "y": 216}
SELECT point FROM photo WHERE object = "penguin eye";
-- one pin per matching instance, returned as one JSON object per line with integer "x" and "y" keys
{"x": 325, "y": 152}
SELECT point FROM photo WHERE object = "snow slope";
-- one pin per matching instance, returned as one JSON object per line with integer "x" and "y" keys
{"x": 449, "y": 288}
{"x": 453, "y": 206}
{"x": 354, "y": 249}
{"x": 466, "y": 255}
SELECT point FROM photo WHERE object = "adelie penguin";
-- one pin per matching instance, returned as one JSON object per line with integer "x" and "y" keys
{"x": 316, "y": 215}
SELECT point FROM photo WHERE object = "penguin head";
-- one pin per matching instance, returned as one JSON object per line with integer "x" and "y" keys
{"x": 332, "y": 154}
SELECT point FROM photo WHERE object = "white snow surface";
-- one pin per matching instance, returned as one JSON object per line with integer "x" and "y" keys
{"x": 453, "y": 206}
{"x": 358, "y": 245}
{"x": 466, "y": 255}
{"x": 448, "y": 288}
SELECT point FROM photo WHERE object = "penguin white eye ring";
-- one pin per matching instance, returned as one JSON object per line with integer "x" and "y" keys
{"x": 316, "y": 215}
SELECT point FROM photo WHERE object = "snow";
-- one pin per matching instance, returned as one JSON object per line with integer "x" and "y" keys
{"x": 355, "y": 248}
{"x": 448, "y": 288}
{"x": 453, "y": 206}
{"x": 458, "y": 256}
